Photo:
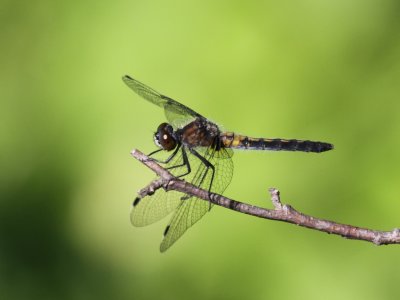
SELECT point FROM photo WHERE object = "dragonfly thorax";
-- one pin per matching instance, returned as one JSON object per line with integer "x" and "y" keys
{"x": 165, "y": 137}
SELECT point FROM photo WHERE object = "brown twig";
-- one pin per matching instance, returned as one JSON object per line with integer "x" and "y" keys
{"x": 282, "y": 212}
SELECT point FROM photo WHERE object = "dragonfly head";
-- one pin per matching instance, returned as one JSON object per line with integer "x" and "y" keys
{"x": 165, "y": 137}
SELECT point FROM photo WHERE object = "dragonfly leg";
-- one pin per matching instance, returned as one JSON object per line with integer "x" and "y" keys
{"x": 184, "y": 163}
{"x": 208, "y": 167}
{"x": 168, "y": 159}
{"x": 154, "y": 152}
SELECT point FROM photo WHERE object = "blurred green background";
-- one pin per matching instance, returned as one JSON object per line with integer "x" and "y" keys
{"x": 320, "y": 70}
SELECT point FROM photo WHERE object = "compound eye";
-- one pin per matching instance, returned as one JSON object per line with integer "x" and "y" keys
{"x": 164, "y": 137}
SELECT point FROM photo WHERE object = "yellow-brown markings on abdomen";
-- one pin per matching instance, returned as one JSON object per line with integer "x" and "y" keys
{"x": 227, "y": 139}
{"x": 232, "y": 140}
{"x": 236, "y": 141}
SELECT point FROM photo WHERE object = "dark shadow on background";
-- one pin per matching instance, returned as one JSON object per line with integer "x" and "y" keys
{"x": 38, "y": 260}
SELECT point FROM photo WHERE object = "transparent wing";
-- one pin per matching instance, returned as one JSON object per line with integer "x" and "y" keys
{"x": 191, "y": 209}
{"x": 153, "y": 208}
{"x": 176, "y": 113}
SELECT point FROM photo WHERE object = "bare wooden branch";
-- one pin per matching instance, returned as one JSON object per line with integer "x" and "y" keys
{"x": 282, "y": 212}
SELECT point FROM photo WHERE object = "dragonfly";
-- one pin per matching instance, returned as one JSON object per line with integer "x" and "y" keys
{"x": 198, "y": 151}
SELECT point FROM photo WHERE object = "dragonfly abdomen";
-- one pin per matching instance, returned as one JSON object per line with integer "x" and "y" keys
{"x": 237, "y": 141}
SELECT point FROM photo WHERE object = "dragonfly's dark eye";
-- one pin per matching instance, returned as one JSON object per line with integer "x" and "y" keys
{"x": 164, "y": 137}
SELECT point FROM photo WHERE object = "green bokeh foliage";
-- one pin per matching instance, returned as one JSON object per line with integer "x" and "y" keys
{"x": 320, "y": 70}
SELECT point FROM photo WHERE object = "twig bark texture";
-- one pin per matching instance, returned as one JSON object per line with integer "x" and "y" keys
{"x": 281, "y": 212}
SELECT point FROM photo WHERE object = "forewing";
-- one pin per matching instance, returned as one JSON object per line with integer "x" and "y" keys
{"x": 176, "y": 113}
{"x": 179, "y": 115}
{"x": 192, "y": 209}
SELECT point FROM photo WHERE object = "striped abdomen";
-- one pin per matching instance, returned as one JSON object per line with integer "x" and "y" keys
{"x": 231, "y": 140}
